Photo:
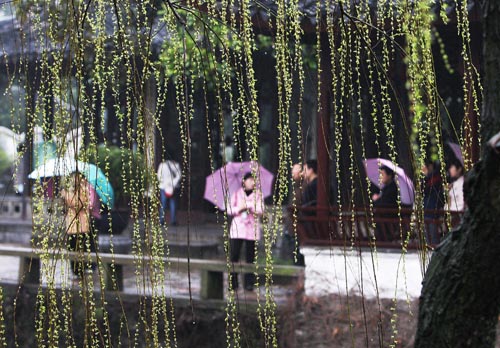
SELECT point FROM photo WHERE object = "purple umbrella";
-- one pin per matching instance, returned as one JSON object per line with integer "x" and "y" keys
{"x": 406, "y": 189}
{"x": 457, "y": 151}
{"x": 221, "y": 184}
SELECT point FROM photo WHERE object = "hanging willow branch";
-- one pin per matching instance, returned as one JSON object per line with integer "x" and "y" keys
{"x": 118, "y": 73}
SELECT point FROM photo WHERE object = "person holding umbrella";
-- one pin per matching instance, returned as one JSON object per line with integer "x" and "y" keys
{"x": 224, "y": 182}
{"x": 77, "y": 200}
{"x": 388, "y": 196}
{"x": 386, "y": 199}
{"x": 382, "y": 173}
{"x": 246, "y": 206}
{"x": 395, "y": 188}
{"x": 88, "y": 197}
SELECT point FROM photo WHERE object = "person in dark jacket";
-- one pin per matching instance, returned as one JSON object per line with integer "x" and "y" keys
{"x": 432, "y": 188}
{"x": 388, "y": 196}
{"x": 310, "y": 193}
{"x": 307, "y": 199}
{"x": 386, "y": 199}
{"x": 288, "y": 243}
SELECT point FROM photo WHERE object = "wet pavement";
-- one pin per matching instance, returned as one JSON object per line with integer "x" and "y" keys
{"x": 178, "y": 285}
{"x": 328, "y": 270}
{"x": 205, "y": 242}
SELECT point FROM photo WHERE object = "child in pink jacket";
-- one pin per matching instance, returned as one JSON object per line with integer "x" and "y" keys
{"x": 246, "y": 208}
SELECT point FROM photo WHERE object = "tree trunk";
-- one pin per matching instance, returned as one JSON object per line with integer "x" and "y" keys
{"x": 490, "y": 117}
{"x": 460, "y": 300}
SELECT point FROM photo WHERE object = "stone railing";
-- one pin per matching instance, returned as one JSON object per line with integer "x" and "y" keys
{"x": 15, "y": 207}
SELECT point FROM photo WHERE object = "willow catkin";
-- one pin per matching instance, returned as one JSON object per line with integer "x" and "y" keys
{"x": 96, "y": 62}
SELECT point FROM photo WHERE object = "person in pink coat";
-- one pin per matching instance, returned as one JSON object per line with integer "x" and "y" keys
{"x": 246, "y": 207}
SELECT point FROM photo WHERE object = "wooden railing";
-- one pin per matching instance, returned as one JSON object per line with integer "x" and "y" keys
{"x": 392, "y": 228}
{"x": 212, "y": 271}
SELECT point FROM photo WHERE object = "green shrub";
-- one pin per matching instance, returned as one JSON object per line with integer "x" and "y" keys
{"x": 126, "y": 170}
{"x": 5, "y": 161}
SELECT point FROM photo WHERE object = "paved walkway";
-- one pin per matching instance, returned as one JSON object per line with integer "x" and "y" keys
{"x": 209, "y": 232}
{"x": 178, "y": 285}
{"x": 327, "y": 270}
{"x": 386, "y": 274}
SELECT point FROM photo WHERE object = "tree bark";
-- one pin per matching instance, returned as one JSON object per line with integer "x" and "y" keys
{"x": 490, "y": 117}
{"x": 460, "y": 300}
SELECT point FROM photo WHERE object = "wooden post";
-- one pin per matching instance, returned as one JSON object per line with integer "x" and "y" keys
{"x": 212, "y": 285}
{"x": 323, "y": 126}
{"x": 113, "y": 277}
{"x": 31, "y": 88}
{"x": 29, "y": 270}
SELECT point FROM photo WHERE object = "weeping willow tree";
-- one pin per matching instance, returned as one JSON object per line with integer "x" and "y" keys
{"x": 81, "y": 61}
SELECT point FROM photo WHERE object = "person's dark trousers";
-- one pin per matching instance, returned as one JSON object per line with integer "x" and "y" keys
{"x": 171, "y": 203}
{"x": 81, "y": 243}
{"x": 235, "y": 249}
{"x": 289, "y": 245}
{"x": 432, "y": 232}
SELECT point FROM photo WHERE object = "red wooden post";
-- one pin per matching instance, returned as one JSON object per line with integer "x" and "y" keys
{"x": 323, "y": 126}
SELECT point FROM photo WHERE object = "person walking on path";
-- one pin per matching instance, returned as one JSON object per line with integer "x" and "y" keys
{"x": 246, "y": 208}
{"x": 169, "y": 177}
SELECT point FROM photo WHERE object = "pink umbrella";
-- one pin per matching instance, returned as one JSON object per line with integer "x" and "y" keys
{"x": 220, "y": 185}
{"x": 406, "y": 189}
{"x": 457, "y": 151}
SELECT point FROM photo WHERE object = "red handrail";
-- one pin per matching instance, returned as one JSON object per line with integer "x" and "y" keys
{"x": 384, "y": 227}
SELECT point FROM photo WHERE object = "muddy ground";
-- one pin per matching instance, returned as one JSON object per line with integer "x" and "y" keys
{"x": 350, "y": 321}
{"x": 303, "y": 322}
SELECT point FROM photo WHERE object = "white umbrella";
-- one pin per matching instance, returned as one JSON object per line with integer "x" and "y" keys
{"x": 55, "y": 167}
{"x": 66, "y": 165}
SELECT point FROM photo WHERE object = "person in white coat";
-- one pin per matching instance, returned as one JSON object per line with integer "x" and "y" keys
{"x": 455, "y": 201}
{"x": 169, "y": 177}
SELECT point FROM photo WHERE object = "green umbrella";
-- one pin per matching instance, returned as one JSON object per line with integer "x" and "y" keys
{"x": 99, "y": 182}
